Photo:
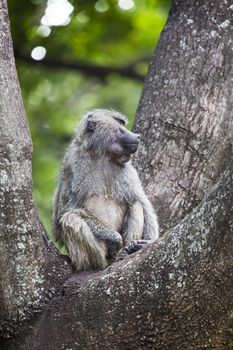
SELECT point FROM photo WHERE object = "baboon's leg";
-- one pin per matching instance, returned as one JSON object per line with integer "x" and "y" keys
{"x": 111, "y": 239}
{"x": 85, "y": 251}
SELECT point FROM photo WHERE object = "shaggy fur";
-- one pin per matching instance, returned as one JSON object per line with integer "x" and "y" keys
{"x": 99, "y": 204}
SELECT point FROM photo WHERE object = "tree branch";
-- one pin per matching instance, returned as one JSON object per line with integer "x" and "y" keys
{"x": 100, "y": 72}
{"x": 29, "y": 263}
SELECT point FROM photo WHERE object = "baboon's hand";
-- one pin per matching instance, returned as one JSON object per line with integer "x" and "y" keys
{"x": 131, "y": 248}
{"x": 136, "y": 245}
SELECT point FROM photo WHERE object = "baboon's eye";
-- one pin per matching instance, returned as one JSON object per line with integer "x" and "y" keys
{"x": 120, "y": 121}
{"x": 91, "y": 124}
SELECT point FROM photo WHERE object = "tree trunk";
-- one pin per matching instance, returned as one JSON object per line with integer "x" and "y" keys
{"x": 185, "y": 114}
{"x": 28, "y": 269}
{"x": 177, "y": 293}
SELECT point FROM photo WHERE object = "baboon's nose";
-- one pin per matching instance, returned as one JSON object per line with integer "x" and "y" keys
{"x": 136, "y": 139}
{"x": 133, "y": 143}
{"x": 133, "y": 148}
{"x": 129, "y": 140}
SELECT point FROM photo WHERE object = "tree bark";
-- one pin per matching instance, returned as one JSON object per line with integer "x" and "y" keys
{"x": 185, "y": 114}
{"x": 177, "y": 293}
{"x": 28, "y": 269}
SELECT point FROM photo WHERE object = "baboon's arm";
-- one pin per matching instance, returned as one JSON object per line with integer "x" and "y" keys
{"x": 151, "y": 227}
{"x": 133, "y": 227}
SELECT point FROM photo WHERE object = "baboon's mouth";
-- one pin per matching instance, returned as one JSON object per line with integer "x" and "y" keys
{"x": 122, "y": 159}
{"x": 121, "y": 153}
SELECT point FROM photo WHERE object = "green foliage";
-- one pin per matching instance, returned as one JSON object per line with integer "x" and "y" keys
{"x": 100, "y": 32}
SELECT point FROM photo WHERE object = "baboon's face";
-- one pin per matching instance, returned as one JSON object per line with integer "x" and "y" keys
{"x": 124, "y": 145}
{"x": 107, "y": 135}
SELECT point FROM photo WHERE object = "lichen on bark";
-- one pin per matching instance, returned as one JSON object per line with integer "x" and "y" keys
{"x": 176, "y": 293}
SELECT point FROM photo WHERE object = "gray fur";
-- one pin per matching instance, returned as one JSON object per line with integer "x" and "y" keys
{"x": 99, "y": 203}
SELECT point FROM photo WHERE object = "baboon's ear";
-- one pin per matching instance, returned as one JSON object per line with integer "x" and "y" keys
{"x": 91, "y": 124}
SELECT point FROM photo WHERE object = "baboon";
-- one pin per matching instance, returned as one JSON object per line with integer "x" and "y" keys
{"x": 101, "y": 211}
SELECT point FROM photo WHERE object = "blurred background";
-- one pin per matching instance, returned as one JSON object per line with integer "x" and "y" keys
{"x": 73, "y": 56}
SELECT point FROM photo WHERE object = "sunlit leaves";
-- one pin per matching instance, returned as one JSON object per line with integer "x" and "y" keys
{"x": 57, "y": 13}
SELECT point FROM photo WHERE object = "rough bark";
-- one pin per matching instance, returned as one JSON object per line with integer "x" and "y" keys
{"x": 185, "y": 114}
{"x": 28, "y": 269}
{"x": 177, "y": 293}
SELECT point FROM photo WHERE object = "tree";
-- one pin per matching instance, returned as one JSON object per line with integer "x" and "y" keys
{"x": 177, "y": 293}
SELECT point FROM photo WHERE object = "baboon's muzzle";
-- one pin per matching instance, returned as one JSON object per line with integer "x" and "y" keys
{"x": 129, "y": 141}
